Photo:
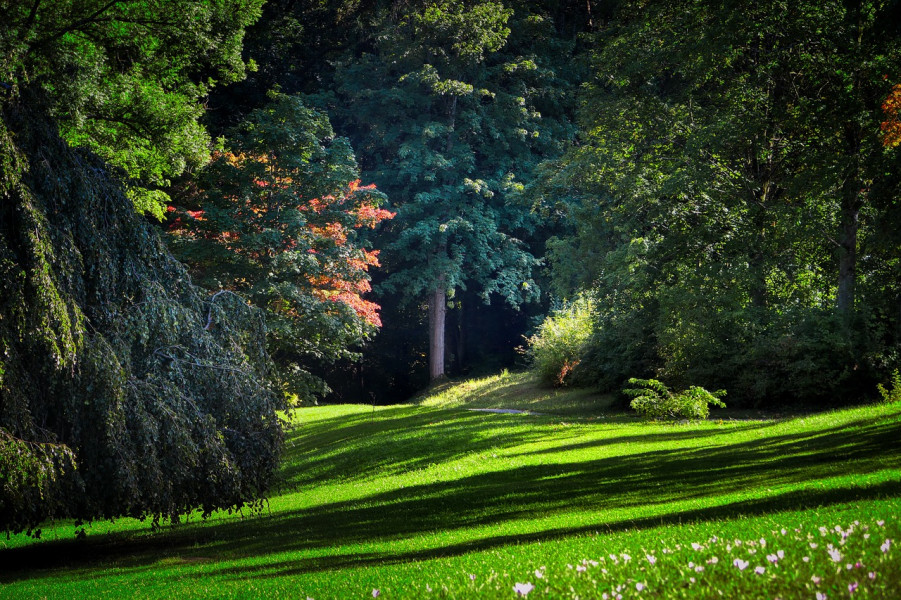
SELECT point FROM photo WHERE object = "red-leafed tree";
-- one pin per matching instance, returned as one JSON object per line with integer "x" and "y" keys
{"x": 275, "y": 218}
{"x": 891, "y": 127}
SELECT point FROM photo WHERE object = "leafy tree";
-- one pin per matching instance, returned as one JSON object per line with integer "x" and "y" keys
{"x": 730, "y": 154}
{"x": 276, "y": 220}
{"x": 114, "y": 398}
{"x": 125, "y": 78}
{"x": 444, "y": 117}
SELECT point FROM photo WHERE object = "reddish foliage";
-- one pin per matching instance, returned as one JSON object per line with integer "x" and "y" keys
{"x": 343, "y": 276}
{"x": 891, "y": 127}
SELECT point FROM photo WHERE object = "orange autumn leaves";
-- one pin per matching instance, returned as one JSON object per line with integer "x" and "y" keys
{"x": 321, "y": 230}
{"x": 891, "y": 127}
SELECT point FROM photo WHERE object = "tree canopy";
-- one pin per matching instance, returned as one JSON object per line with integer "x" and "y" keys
{"x": 126, "y": 78}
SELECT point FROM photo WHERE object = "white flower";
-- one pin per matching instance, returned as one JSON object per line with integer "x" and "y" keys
{"x": 539, "y": 574}
{"x": 695, "y": 546}
{"x": 523, "y": 588}
{"x": 885, "y": 547}
{"x": 759, "y": 570}
{"x": 639, "y": 586}
{"x": 836, "y": 555}
{"x": 741, "y": 564}
{"x": 651, "y": 558}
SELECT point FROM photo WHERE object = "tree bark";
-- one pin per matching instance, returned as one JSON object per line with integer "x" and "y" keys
{"x": 437, "y": 314}
{"x": 847, "y": 257}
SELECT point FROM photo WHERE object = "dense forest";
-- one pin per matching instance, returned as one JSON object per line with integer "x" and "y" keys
{"x": 212, "y": 211}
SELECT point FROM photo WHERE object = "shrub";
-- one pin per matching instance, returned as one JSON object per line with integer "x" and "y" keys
{"x": 556, "y": 348}
{"x": 893, "y": 395}
{"x": 654, "y": 399}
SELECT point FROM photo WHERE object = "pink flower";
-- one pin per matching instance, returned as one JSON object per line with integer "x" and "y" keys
{"x": 821, "y": 596}
{"x": 872, "y": 574}
{"x": 523, "y": 588}
{"x": 759, "y": 570}
{"x": 816, "y": 580}
{"x": 472, "y": 577}
{"x": 852, "y": 587}
{"x": 651, "y": 558}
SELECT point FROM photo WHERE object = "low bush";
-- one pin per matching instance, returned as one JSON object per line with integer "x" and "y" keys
{"x": 893, "y": 395}
{"x": 653, "y": 399}
{"x": 555, "y": 350}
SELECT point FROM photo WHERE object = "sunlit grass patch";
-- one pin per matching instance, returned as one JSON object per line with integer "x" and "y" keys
{"x": 520, "y": 391}
{"x": 402, "y": 499}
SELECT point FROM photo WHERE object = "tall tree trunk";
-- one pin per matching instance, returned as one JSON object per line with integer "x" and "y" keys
{"x": 437, "y": 313}
{"x": 847, "y": 253}
{"x": 461, "y": 339}
{"x": 853, "y": 197}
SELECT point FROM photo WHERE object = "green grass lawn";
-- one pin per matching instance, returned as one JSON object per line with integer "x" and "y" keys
{"x": 573, "y": 499}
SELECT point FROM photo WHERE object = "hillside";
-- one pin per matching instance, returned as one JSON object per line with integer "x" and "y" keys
{"x": 571, "y": 499}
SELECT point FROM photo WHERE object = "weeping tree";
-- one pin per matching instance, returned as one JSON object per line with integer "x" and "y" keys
{"x": 116, "y": 396}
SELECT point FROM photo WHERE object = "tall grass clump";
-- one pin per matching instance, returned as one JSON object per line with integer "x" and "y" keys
{"x": 555, "y": 350}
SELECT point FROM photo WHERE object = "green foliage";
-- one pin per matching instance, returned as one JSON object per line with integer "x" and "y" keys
{"x": 892, "y": 395}
{"x": 106, "y": 361}
{"x": 127, "y": 79}
{"x": 655, "y": 400}
{"x": 444, "y": 115}
{"x": 277, "y": 220}
{"x": 713, "y": 210}
{"x": 556, "y": 349}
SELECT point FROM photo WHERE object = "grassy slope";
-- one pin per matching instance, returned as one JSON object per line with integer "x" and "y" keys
{"x": 432, "y": 496}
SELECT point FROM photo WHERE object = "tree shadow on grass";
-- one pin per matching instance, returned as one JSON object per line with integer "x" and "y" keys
{"x": 348, "y": 448}
{"x": 628, "y": 482}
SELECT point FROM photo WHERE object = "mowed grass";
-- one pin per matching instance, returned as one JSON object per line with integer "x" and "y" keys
{"x": 435, "y": 500}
